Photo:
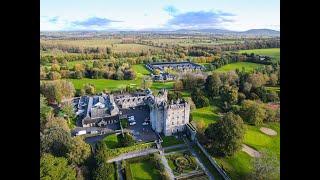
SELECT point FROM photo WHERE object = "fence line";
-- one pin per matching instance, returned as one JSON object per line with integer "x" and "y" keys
{"x": 213, "y": 162}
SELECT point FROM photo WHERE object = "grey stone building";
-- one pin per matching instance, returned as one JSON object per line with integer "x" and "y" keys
{"x": 165, "y": 117}
{"x": 168, "y": 117}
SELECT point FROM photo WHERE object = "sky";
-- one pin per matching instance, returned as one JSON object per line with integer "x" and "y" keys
{"x": 238, "y": 15}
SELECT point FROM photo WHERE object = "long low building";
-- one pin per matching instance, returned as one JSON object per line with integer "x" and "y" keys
{"x": 179, "y": 66}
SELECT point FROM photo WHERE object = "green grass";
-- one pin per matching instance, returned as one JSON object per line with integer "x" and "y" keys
{"x": 161, "y": 85}
{"x": 240, "y": 164}
{"x": 140, "y": 69}
{"x": 144, "y": 170}
{"x": 249, "y": 67}
{"x": 207, "y": 163}
{"x": 111, "y": 141}
{"x": 102, "y": 84}
{"x": 272, "y": 52}
{"x": 170, "y": 141}
{"x": 207, "y": 114}
{"x": 236, "y": 166}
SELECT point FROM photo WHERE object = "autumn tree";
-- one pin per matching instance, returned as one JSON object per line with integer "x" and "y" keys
{"x": 252, "y": 112}
{"x": 79, "y": 151}
{"x": 56, "y": 91}
{"x": 46, "y": 112}
{"x": 89, "y": 89}
{"x": 213, "y": 84}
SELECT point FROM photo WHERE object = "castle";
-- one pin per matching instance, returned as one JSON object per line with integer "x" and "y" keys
{"x": 165, "y": 117}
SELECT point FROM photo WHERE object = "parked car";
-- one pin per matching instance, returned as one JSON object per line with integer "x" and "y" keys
{"x": 132, "y": 123}
{"x": 82, "y": 132}
{"x": 145, "y": 123}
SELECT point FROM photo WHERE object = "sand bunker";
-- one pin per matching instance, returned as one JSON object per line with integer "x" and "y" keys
{"x": 250, "y": 151}
{"x": 268, "y": 131}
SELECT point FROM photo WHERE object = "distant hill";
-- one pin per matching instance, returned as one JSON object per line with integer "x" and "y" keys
{"x": 251, "y": 32}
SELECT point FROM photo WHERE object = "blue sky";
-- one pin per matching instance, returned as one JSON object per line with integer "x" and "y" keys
{"x": 159, "y": 14}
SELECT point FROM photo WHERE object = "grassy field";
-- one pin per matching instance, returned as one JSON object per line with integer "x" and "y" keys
{"x": 272, "y": 52}
{"x": 249, "y": 67}
{"x": 144, "y": 170}
{"x": 140, "y": 70}
{"x": 207, "y": 114}
{"x": 111, "y": 141}
{"x": 133, "y": 48}
{"x": 102, "y": 84}
{"x": 240, "y": 164}
{"x": 170, "y": 141}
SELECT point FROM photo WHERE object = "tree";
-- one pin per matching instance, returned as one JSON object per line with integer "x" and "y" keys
{"x": 226, "y": 135}
{"x": 55, "y": 168}
{"x": 46, "y": 112}
{"x": 178, "y": 85}
{"x": 68, "y": 112}
{"x": 146, "y": 82}
{"x": 129, "y": 75}
{"x": 53, "y": 75}
{"x": 229, "y": 96}
{"x": 125, "y": 140}
{"x": 252, "y": 112}
{"x": 55, "y": 67}
{"x": 56, "y": 141}
{"x": 199, "y": 99}
{"x": 89, "y": 89}
{"x": 157, "y": 71}
{"x": 265, "y": 167}
{"x": 213, "y": 84}
{"x": 79, "y": 151}
{"x": 273, "y": 79}
{"x": 103, "y": 170}
{"x": 257, "y": 80}
{"x": 55, "y": 91}
{"x": 58, "y": 122}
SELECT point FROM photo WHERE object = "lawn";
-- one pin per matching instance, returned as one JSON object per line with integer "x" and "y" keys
{"x": 111, "y": 141}
{"x": 140, "y": 69}
{"x": 170, "y": 141}
{"x": 272, "y": 52}
{"x": 207, "y": 114}
{"x": 102, "y": 84}
{"x": 248, "y": 67}
{"x": 239, "y": 165}
{"x": 144, "y": 170}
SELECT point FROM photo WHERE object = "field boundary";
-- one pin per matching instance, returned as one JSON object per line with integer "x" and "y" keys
{"x": 213, "y": 162}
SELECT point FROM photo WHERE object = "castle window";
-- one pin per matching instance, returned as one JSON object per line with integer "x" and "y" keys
{"x": 172, "y": 123}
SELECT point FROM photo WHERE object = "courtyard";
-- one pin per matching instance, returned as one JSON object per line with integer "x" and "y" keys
{"x": 140, "y": 132}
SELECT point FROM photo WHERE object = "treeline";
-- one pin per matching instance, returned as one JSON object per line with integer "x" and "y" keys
{"x": 99, "y": 69}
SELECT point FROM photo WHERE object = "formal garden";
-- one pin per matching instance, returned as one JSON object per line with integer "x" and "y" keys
{"x": 182, "y": 163}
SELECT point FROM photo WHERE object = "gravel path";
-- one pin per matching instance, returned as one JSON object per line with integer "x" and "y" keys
{"x": 133, "y": 154}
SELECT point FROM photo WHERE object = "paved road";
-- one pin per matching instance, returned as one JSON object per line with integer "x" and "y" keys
{"x": 133, "y": 154}
{"x": 166, "y": 165}
{"x": 211, "y": 177}
{"x": 175, "y": 146}
{"x": 165, "y": 162}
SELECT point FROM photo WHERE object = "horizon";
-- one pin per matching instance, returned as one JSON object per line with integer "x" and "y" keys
{"x": 143, "y": 15}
